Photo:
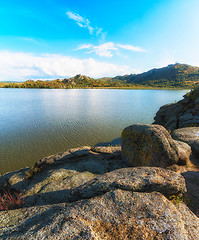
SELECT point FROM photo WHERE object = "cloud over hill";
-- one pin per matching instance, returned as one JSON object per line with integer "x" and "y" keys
{"x": 16, "y": 66}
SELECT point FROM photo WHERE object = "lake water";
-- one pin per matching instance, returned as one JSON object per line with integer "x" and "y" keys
{"x": 39, "y": 122}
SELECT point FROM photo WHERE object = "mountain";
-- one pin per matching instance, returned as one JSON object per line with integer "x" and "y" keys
{"x": 172, "y": 75}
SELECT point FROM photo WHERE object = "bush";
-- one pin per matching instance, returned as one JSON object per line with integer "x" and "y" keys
{"x": 10, "y": 199}
{"x": 31, "y": 172}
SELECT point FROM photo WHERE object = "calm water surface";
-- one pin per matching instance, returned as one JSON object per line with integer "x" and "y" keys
{"x": 39, "y": 122}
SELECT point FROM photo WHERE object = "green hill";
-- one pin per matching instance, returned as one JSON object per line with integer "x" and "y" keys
{"x": 172, "y": 76}
{"x": 176, "y": 75}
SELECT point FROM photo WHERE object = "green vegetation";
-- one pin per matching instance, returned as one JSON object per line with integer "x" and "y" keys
{"x": 172, "y": 76}
{"x": 79, "y": 81}
{"x": 194, "y": 94}
{"x": 32, "y": 172}
{"x": 177, "y": 75}
{"x": 180, "y": 198}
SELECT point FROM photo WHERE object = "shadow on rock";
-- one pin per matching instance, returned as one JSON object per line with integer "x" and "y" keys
{"x": 115, "y": 142}
{"x": 47, "y": 198}
{"x": 192, "y": 180}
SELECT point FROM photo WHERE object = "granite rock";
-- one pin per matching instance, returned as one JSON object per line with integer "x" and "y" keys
{"x": 189, "y": 135}
{"x": 148, "y": 145}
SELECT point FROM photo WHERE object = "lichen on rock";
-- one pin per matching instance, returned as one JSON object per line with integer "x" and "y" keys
{"x": 148, "y": 145}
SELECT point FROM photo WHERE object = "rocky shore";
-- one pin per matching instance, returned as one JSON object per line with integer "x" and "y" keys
{"x": 184, "y": 113}
{"x": 147, "y": 188}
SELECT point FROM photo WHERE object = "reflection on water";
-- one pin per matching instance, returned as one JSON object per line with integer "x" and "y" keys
{"x": 39, "y": 122}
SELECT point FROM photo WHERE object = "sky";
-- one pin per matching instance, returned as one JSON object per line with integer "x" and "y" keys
{"x": 52, "y": 39}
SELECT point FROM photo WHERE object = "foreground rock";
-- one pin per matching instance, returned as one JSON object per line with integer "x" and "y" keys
{"x": 184, "y": 113}
{"x": 127, "y": 203}
{"x": 148, "y": 145}
{"x": 52, "y": 178}
{"x": 115, "y": 215}
{"x": 189, "y": 135}
{"x": 138, "y": 179}
{"x": 91, "y": 193}
{"x": 70, "y": 154}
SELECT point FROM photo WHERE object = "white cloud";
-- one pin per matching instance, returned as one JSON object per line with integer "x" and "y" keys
{"x": 82, "y": 22}
{"x": 28, "y": 39}
{"x": 107, "y": 49}
{"x": 103, "y": 50}
{"x": 75, "y": 17}
{"x": 17, "y": 66}
{"x": 85, "y": 23}
{"x": 131, "y": 48}
{"x": 84, "y": 46}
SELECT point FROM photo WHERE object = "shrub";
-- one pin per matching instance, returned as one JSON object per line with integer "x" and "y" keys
{"x": 10, "y": 199}
{"x": 177, "y": 199}
{"x": 32, "y": 171}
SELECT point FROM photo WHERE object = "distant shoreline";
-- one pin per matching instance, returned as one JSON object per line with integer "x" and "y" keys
{"x": 127, "y": 88}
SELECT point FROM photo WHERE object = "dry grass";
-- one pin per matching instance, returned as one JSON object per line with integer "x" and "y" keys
{"x": 10, "y": 200}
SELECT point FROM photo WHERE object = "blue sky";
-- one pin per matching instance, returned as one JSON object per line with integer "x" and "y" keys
{"x": 61, "y": 38}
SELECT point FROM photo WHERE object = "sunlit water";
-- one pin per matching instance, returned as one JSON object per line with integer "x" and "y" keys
{"x": 39, "y": 122}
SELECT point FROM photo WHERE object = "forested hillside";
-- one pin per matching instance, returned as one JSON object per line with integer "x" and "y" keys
{"x": 176, "y": 75}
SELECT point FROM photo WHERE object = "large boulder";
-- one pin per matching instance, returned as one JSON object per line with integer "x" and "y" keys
{"x": 184, "y": 113}
{"x": 167, "y": 116}
{"x": 189, "y": 135}
{"x": 148, "y": 145}
{"x": 137, "y": 179}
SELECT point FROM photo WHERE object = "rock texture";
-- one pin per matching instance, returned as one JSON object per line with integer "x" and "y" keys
{"x": 91, "y": 193}
{"x": 184, "y": 152}
{"x": 189, "y": 135}
{"x": 148, "y": 145}
{"x": 115, "y": 215}
{"x": 126, "y": 203}
{"x": 138, "y": 179}
{"x": 184, "y": 113}
{"x": 52, "y": 178}
{"x": 192, "y": 182}
{"x": 70, "y": 154}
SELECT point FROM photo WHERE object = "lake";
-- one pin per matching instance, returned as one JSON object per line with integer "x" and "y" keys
{"x": 39, "y": 122}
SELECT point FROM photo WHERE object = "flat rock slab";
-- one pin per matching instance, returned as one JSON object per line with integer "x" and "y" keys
{"x": 116, "y": 215}
{"x": 189, "y": 135}
{"x": 148, "y": 145}
{"x": 138, "y": 179}
{"x": 56, "y": 175}
{"x": 55, "y": 159}
{"x": 108, "y": 150}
